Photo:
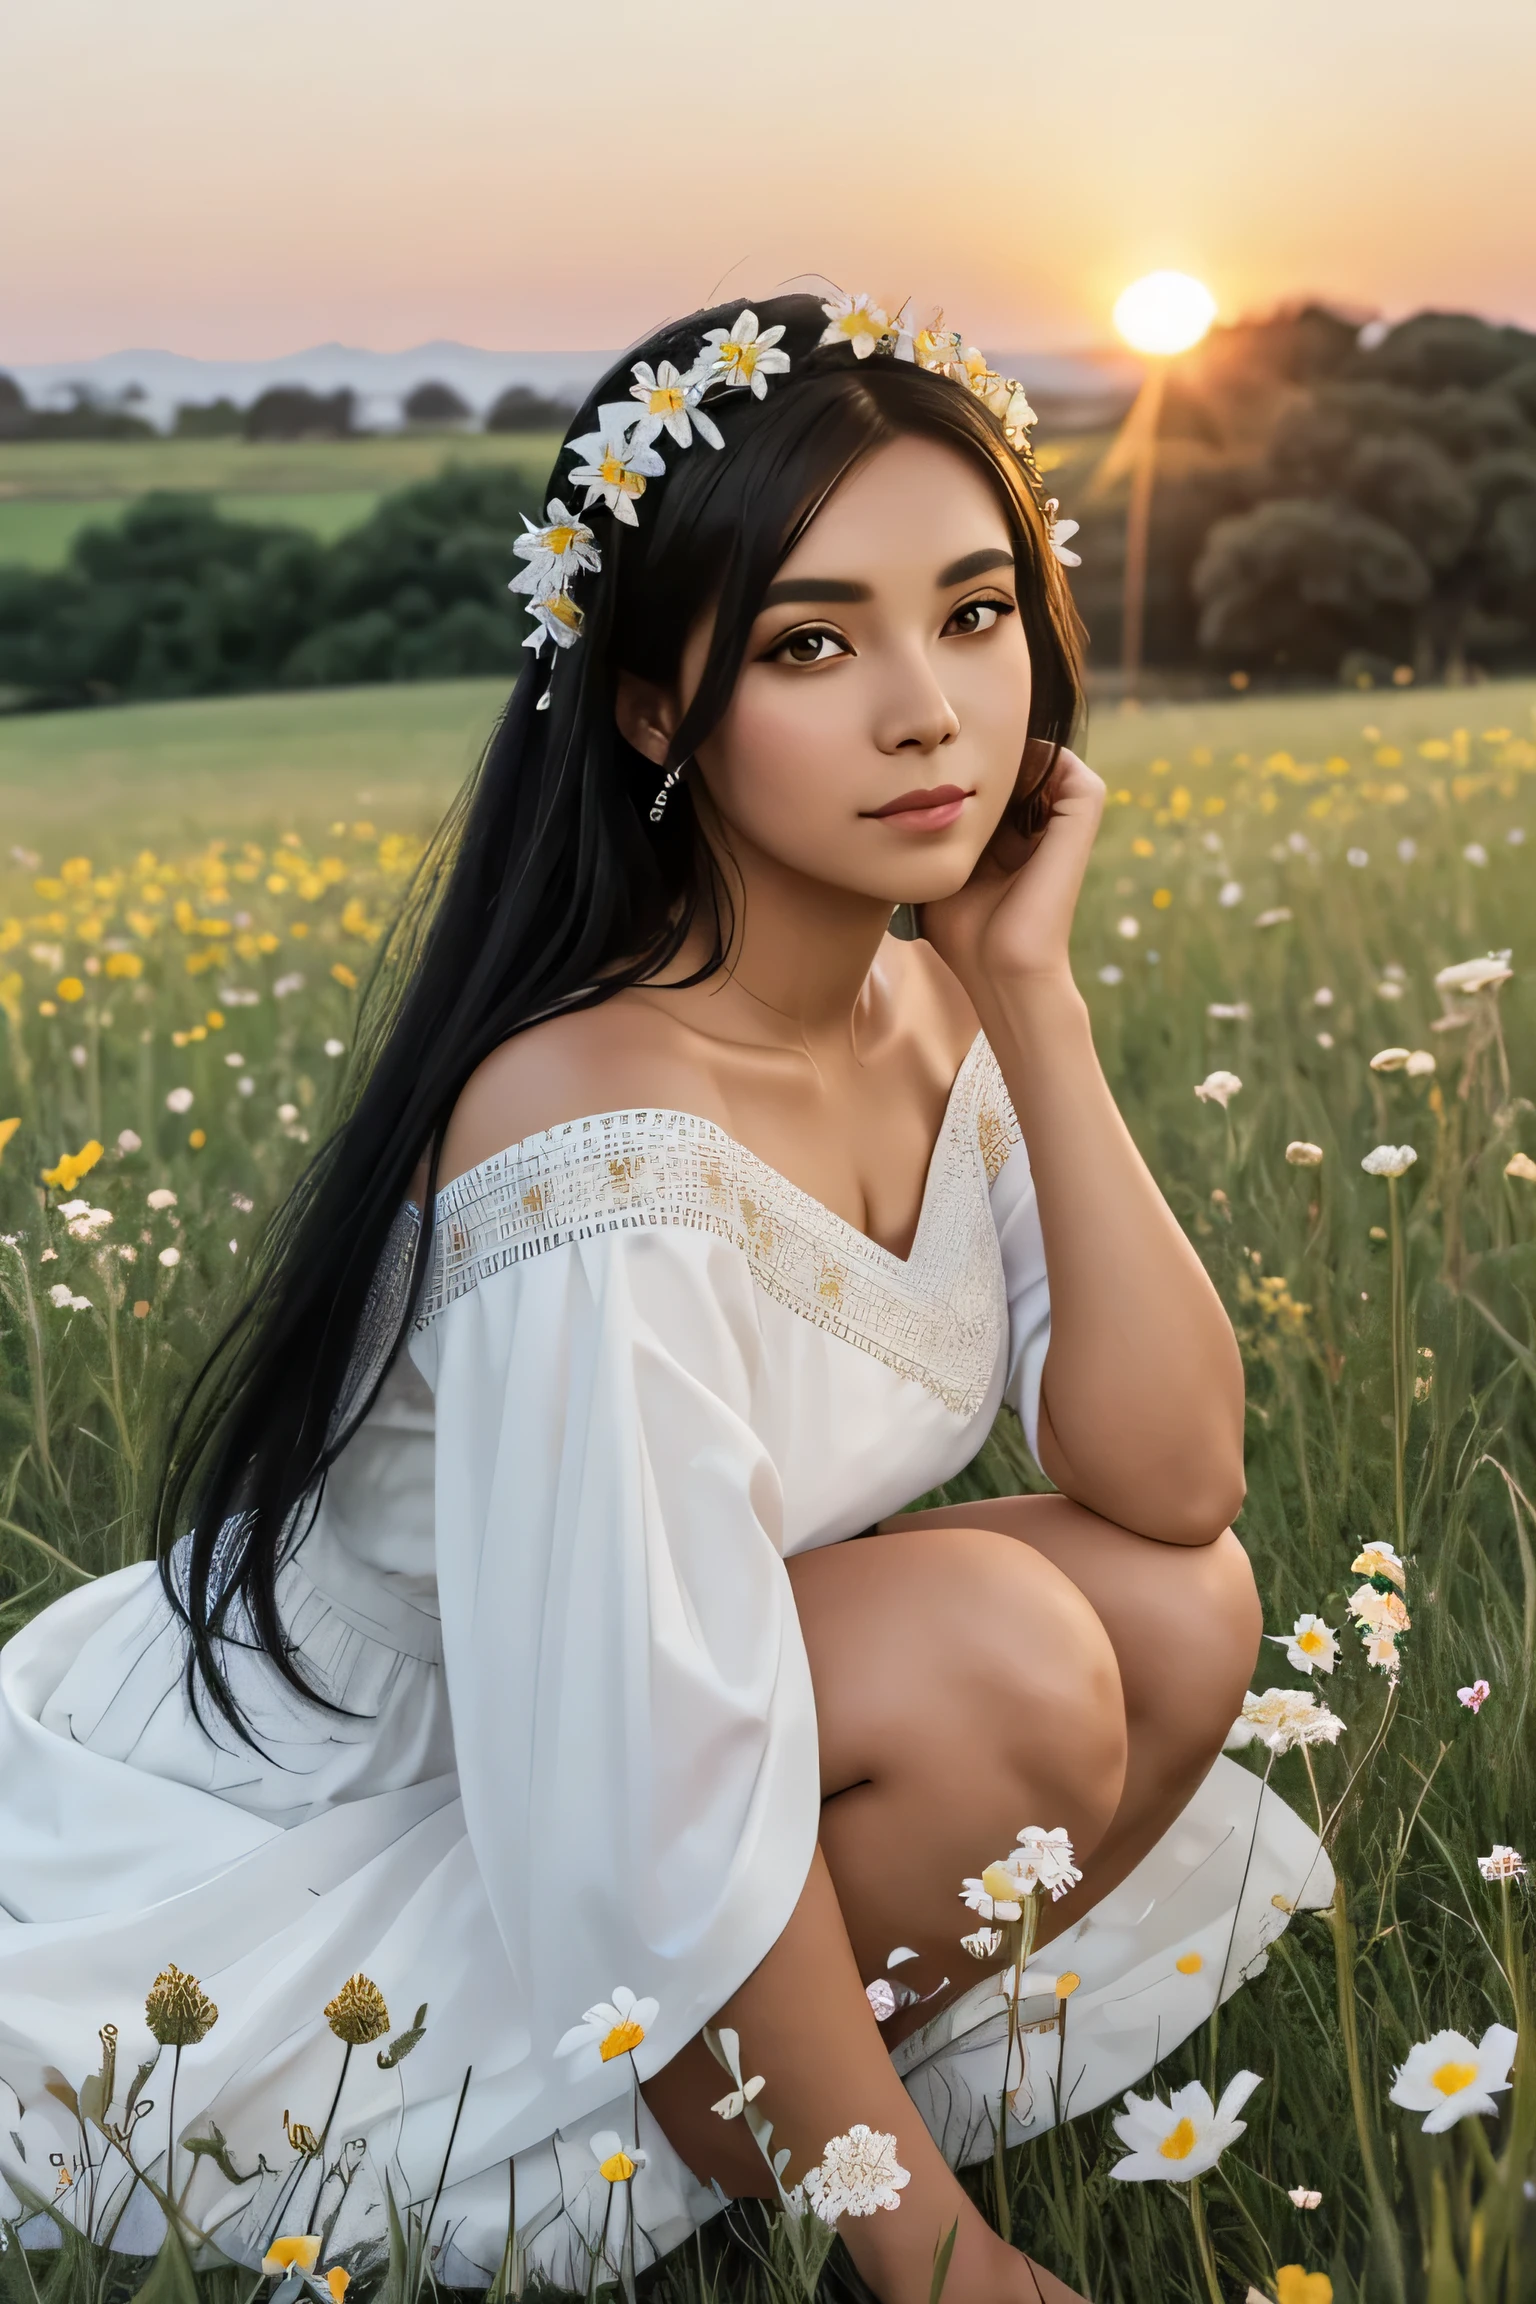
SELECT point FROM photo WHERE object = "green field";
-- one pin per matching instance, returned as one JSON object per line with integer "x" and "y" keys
{"x": 51, "y": 489}
{"x": 1276, "y": 886}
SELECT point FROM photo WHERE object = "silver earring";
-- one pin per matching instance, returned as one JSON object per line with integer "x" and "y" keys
{"x": 659, "y": 804}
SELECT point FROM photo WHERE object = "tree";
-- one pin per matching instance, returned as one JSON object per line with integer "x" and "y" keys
{"x": 434, "y": 404}
{"x": 209, "y": 420}
{"x": 521, "y": 409}
{"x": 1435, "y": 349}
{"x": 15, "y": 415}
{"x": 1300, "y": 584}
{"x": 291, "y": 412}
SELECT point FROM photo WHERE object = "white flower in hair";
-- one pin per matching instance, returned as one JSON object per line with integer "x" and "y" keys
{"x": 616, "y": 466}
{"x": 555, "y": 617}
{"x": 554, "y": 553}
{"x": 855, "y": 320}
{"x": 1057, "y": 534}
{"x": 667, "y": 404}
{"x": 739, "y": 355}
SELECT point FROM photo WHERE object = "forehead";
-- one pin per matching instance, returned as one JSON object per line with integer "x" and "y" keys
{"x": 913, "y": 500}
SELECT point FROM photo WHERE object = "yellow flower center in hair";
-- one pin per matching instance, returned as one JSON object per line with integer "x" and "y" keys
{"x": 559, "y": 540}
{"x": 1180, "y": 2141}
{"x": 664, "y": 401}
{"x": 563, "y": 608}
{"x": 1450, "y": 2079}
{"x": 620, "y": 2040}
{"x": 618, "y": 2167}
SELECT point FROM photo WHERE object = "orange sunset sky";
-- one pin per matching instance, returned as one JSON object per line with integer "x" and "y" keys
{"x": 244, "y": 177}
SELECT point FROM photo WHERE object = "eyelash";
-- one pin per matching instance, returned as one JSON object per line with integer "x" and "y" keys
{"x": 824, "y": 631}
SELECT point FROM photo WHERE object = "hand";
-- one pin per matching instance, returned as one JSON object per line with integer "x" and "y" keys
{"x": 1013, "y": 917}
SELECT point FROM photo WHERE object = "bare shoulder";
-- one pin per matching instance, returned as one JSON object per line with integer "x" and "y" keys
{"x": 619, "y": 1057}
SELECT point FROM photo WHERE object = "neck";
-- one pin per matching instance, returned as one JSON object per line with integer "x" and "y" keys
{"x": 797, "y": 972}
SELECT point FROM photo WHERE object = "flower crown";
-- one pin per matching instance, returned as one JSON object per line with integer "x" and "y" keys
{"x": 616, "y": 462}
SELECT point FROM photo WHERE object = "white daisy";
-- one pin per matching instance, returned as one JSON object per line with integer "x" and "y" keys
{"x": 555, "y": 552}
{"x": 616, "y": 467}
{"x": 613, "y": 2027}
{"x": 1173, "y": 2142}
{"x": 855, "y": 320}
{"x": 740, "y": 355}
{"x": 1285, "y": 1717}
{"x": 1310, "y": 1644}
{"x": 557, "y": 618}
{"x": 667, "y": 403}
{"x": 1058, "y": 532}
{"x": 857, "y": 2174}
{"x": 1389, "y": 1160}
{"x": 1447, "y": 2078}
{"x": 616, "y": 2161}
{"x": 999, "y": 1894}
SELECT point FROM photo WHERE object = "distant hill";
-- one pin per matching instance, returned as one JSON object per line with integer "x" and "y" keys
{"x": 1085, "y": 384}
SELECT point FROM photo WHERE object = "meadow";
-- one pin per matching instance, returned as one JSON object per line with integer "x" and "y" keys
{"x": 51, "y": 489}
{"x": 184, "y": 937}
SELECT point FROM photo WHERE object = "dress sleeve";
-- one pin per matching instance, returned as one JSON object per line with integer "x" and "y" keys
{"x": 631, "y": 1701}
{"x": 1017, "y": 1217}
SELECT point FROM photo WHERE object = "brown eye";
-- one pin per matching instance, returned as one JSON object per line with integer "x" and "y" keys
{"x": 979, "y": 615}
{"x": 814, "y": 647}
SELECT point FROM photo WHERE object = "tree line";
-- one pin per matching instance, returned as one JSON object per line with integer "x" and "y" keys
{"x": 282, "y": 412}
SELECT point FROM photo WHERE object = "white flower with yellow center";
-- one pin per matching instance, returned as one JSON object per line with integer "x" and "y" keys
{"x": 555, "y": 552}
{"x": 1380, "y": 1560}
{"x": 616, "y": 465}
{"x": 1447, "y": 2078}
{"x": 1172, "y": 2142}
{"x": 1379, "y": 1611}
{"x": 1058, "y": 532}
{"x": 613, "y": 2027}
{"x": 614, "y": 2161}
{"x": 555, "y": 617}
{"x": 667, "y": 405}
{"x": 999, "y": 1894}
{"x": 857, "y": 2174}
{"x": 741, "y": 355}
{"x": 855, "y": 320}
{"x": 1310, "y": 1647}
{"x": 1285, "y": 1717}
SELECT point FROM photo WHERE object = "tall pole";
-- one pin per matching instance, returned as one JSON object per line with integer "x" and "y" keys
{"x": 1138, "y": 522}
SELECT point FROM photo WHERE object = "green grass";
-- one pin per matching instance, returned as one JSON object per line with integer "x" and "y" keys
{"x": 37, "y": 531}
{"x": 1347, "y": 1377}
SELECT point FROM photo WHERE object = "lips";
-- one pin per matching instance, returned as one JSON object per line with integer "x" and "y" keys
{"x": 930, "y": 809}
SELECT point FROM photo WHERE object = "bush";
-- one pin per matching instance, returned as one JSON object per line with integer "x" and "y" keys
{"x": 521, "y": 409}
{"x": 435, "y": 404}
{"x": 209, "y": 420}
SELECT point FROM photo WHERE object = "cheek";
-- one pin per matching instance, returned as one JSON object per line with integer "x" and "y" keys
{"x": 784, "y": 754}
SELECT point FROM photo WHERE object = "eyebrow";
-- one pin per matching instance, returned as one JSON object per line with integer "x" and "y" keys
{"x": 828, "y": 588}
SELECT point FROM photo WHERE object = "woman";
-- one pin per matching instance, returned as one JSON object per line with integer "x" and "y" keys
{"x": 509, "y": 1648}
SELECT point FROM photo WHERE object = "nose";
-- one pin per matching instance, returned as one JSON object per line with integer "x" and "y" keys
{"x": 915, "y": 715}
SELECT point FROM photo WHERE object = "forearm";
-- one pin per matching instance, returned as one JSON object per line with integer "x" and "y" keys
{"x": 1142, "y": 1402}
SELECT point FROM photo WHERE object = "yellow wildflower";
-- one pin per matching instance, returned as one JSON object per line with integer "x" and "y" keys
{"x": 72, "y": 1166}
{"x": 70, "y": 988}
{"x": 358, "y": 2013}
{"x": 178, "y": 2011}
{"x": 8, "y": 1129}
{"x": 299, "y": 2252}
{"x": 124, "y": 964}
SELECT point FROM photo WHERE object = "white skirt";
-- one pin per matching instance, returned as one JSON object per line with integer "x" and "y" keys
{"x": 129, "y": 1841}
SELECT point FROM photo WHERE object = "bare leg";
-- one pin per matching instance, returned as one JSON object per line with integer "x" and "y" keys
{"x": 1184, "y": 1621}
{"x": 964, "y": 1688}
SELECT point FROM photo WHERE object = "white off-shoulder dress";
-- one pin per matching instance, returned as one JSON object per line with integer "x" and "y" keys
{"x": 546, "y": 1581}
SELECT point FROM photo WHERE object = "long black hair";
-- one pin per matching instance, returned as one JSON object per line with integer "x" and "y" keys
{"x": 547, "y": 889}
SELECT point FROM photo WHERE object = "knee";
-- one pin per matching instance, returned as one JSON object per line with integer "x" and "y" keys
{"x": 1200, "y": 1634}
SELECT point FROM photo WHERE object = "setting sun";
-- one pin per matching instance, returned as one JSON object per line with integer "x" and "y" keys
{"x": 1165, "y": 312}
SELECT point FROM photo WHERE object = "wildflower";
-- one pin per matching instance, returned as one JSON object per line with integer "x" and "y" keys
{"x": 1309, "y": 1644}
{"x": 1447, "y": 2078}
{"x": 67, "y": 1300}
{"x": 740, "y": 356}
{"x": 1285, "y": 1717}
{"x": 1379, "y": 1611}
{"x": 999, "y": 1893}
{"x": 1128, "y": 927}
{"x": 286, "y": 985}
{"x": 613, "y": 2027}
{"x": 1218, "y": 1088}
{"x": 1110, "y": 974}
{"x": 1186, "y": 2137}
{"x": 857, "y": 2174}
{"x": 8, "y": 1129}
{"x": 334, "y": 1048}
{"x": 70, "y": 988}
{"x": 178, "y": 2011}
{"x": 613, "y": 2161}
{"x": 1389, "y": 1059}
{"x": 1518, "y": 1164}
{"x": 1475, "y": 1697}
{"x": 1275, "y": 917}
{"x": 1045, "y": 1860}
{"x": 1485, "y": 975}
{"x": 556, "y": 552}
{"x": 1420, "y": 1064}
{"x": 1301, "y": 2197}
{"x": 555, "y": 617}
{"x": 1229, "y": 1011}
{"x": 881, "y": 1998}
{"x": 1380, "y": 1559}
{"x": 855, "y": 320}
{"x": 72, "y": 1166}
{"x": 358, "y": 2013}
{"x": 179, "y": 1100}
{"x": 1389, "y": 1160}
{"x": 1295, "y": 2285}
{"x": 1381, "y": 1650}
{"x": 1300, "y": 1154}
{"x": 161, "y": 1197}
{"x": 299, "y": 2252}
{"x": 83, "y": 1221}
{"x": 170, "y": 1258}
{"x": 667, "y": 404}
{"x": 1503, "y": 1864}
{"x": 982, "y": 1943}
{"x": 128, "y": 1140}
{"x": 338, "y": 2280}
{"x": 615, "y": 468}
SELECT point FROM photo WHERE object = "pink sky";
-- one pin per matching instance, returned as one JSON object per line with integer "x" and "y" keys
{"x": 243, "y": 177}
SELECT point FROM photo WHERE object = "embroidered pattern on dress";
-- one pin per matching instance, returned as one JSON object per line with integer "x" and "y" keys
{"x": 939, "y": 1316}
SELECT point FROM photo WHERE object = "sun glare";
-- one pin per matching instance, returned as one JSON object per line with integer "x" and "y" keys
{"x": 1165, "y": 312}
